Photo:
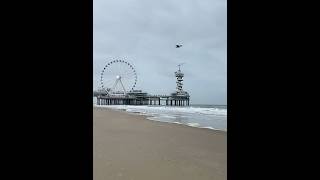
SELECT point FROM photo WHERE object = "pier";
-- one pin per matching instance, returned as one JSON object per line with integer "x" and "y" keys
{"x": 132, "y": 99}
{"x": 138, "y": 97}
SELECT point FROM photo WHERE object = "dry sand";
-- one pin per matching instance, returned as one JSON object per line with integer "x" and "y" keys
{"x": 130, "y": 147}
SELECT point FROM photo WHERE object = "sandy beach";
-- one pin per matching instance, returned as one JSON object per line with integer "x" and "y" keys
{"x": 130, "y": 147}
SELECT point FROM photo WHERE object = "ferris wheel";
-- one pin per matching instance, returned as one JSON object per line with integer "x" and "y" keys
{"x": 118, "y": 77}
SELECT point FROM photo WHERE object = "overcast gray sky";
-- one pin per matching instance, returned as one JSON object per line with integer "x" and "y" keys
{"x": 144, "y": 33}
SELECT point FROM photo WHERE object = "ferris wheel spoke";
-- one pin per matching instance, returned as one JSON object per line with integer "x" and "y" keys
{"x": 127, "y": 70}
{"x": 119, "y": 68}
{"x": 109, "y": 81}
{"x": 132, "y": 76}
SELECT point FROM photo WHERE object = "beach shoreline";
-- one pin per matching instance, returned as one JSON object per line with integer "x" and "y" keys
{"x": 160, "y": 115}
{"x": 129, "y": 146}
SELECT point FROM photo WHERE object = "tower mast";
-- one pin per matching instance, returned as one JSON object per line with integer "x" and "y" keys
{"x": 179, "y": 75}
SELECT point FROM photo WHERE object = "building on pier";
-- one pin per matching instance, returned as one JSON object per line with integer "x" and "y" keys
{"x": 138, "y": 97}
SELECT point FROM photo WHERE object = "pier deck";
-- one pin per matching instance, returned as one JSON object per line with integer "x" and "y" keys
{"x": 143, "y": 100}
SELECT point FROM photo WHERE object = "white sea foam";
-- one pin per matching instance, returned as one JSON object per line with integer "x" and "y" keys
{"x": 208, "y": 111}
{"x": 177, "y": 122}
{"x": 167, "y": 116}
{"x": 209, "y": 127}
{"x": 193, "y": 124}
{"x": 202, "y": 117}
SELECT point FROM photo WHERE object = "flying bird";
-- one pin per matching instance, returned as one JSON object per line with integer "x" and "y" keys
{"x": 178, "y": 45}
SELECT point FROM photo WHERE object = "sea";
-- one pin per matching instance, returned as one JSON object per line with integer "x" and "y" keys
{"x": 197, "y": 115}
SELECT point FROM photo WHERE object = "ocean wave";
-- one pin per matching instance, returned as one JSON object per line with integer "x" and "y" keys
{"x": 193, "y": 124}
{"x": 197, "y": 110}
{"x": 209, "y": 118}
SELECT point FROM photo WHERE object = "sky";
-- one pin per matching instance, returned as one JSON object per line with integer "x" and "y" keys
{"x": 145, "y": 32}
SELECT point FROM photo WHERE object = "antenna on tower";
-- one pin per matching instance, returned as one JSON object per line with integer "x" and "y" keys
{"x": 180, "y": 65}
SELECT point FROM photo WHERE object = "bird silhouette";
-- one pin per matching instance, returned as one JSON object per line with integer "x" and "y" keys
{"x": 178, "y": 45}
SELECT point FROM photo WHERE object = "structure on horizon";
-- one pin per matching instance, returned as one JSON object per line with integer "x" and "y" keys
{"x": 125, "y": 75}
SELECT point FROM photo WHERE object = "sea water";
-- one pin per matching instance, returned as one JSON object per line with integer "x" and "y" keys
{"x": 200, "y": 116}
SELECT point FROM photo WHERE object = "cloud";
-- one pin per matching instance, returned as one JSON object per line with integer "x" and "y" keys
{"x": 145, "y": 32}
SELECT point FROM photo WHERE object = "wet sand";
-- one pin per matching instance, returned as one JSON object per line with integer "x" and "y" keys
{"x": 130, "y": 147}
